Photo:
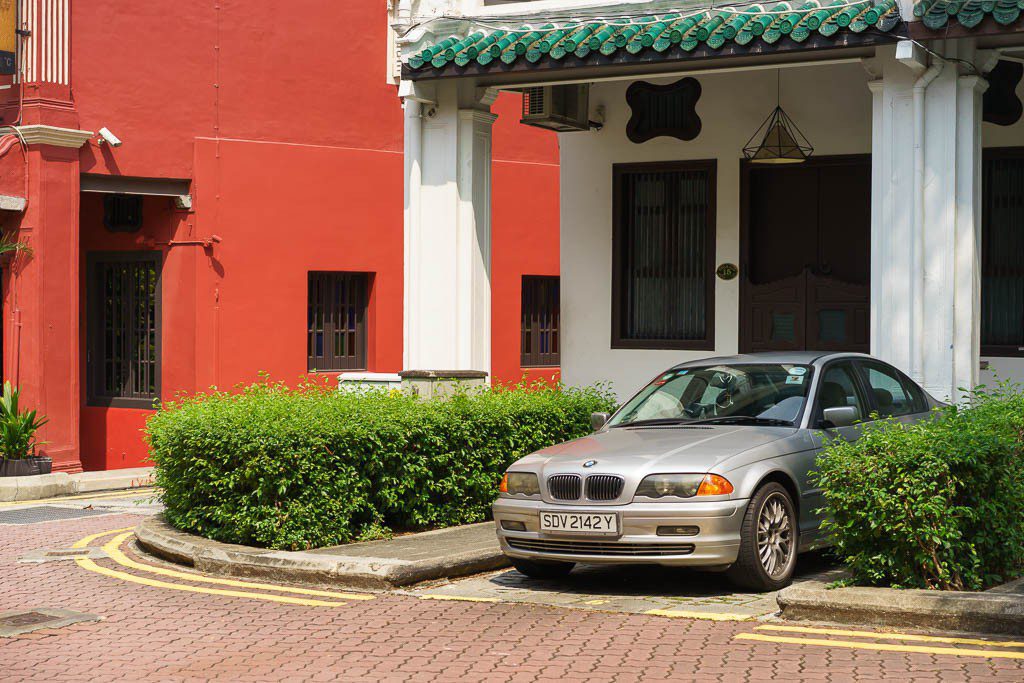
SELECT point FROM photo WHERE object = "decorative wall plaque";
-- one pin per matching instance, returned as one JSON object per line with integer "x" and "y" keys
{"x": 669, "y": 110}
{"x": 1000, "y": 104}
{"x": 727, "y": 271}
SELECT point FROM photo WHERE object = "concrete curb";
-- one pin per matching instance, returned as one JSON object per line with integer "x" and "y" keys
{"x": 992, "y": 611}
{"x": 16, "y": 489}
{"x": 316, "y": 568}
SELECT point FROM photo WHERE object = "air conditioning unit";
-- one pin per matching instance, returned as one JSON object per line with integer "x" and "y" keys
{"x": 562, "y": 108}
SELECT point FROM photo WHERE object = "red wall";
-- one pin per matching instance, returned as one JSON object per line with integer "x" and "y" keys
{"x": 282, "y": 118}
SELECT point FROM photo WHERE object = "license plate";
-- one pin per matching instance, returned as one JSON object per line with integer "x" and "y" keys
{"x": 580, "y": 522}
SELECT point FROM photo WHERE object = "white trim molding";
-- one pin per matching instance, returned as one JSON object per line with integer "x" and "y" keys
{"x": 12, "y": 203}
{"x": 44, "y": 53}
{"x": 39, "y": 134}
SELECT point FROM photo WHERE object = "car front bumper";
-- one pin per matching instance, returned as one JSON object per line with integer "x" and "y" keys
{"x": 716, "y": 544}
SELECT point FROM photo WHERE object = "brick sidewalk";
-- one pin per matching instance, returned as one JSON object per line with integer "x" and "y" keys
{"x": 156, "y": 634}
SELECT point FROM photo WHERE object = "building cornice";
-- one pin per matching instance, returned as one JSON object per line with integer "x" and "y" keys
{"x": 39, "y": 134}
{"x": 477, "y": 116}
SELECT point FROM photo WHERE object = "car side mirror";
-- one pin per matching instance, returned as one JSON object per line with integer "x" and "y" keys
{"x": 840, "y": 416}
{"x": 597, "y": 420}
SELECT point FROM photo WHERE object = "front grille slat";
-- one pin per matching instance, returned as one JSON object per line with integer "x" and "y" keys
{"x": 604, "y": 487}
{"x": 565, "y": 486}
{"x": 600, "y": 548}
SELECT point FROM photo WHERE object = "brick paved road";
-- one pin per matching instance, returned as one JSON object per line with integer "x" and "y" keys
{"x": 161, "y": 634}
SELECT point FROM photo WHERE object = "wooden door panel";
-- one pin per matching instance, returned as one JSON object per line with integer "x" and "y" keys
{"x": 784, "y": 221}
{"x": 844, "y": 222}
{"x": 837, "y": 315}
{"x": 778, "y": 315}
{"x": 806, "y": 237}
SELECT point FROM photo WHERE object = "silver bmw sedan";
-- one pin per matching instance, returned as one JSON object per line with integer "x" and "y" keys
{"x": 707, "y": 466}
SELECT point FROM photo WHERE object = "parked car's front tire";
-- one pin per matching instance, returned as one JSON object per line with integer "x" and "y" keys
{"x": 768, "y": 541}
{"x": 542, "y": 570}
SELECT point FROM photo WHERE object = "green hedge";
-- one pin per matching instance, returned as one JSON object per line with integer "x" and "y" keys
{"x": 311, "y": 467}
{"x": 939, "y": 504}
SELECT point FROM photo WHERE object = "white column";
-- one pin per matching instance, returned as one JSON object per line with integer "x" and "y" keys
{"x": 448, "y": 230}
{"x": 892, "y": 170}
{"x": 967, "y": 235}
{"x": 926, "y": 222}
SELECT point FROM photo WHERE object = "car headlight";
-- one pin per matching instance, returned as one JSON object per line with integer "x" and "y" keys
{"x": 520, "y": 484}
{"x": 683, "y": 485}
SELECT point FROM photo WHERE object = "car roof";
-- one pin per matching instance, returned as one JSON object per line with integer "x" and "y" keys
{"x": 787, "y": 357}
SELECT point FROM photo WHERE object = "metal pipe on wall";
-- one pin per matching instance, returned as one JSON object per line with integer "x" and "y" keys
{"x": 917, "y": 232}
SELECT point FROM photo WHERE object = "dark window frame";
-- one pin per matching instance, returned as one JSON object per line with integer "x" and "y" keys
{"x": 531, "y": 287}
{"x": 995, "y": 350}
{"x": 710, "y": 166}
{"x": 94, "y": 325}
{"x": 329, "y": 362}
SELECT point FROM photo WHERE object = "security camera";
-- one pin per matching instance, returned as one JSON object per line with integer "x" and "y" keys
{"x": 109, "y": 138}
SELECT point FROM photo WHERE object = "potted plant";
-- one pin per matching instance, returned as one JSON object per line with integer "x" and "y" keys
{"x": 10, "y": 247}
{"x": 18, "y": 438}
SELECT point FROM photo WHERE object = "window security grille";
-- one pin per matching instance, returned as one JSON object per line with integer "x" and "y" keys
{"x": 664, "y": 244}
{"x": 123, "y": 314}
{"x": 1002, "y": 281}
{"x": 336, "y": 332}
{"x": 541, "y": 342}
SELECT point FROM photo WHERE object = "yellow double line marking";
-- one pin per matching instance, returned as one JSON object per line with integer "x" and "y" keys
{"x": 886, "y": 647}
{"x": 113, "y": 550}
{"x": 129, "y": 493}
{"x": 695, "y": 614}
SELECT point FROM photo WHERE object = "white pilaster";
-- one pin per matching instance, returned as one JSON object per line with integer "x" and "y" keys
{"x": 448, "y": 231}
{"x": 926, "y": 228}
{"x": 967, "y": 264}
{"x": 892, "y": 159}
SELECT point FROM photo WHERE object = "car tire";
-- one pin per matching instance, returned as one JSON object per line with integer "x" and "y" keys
{"x": 542, "y": 570}
{"x": 768, "y": 541}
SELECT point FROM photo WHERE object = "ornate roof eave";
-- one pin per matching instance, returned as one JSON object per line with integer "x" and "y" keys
{"x": 754, "y": 29}
{"x": 413, "y": 39}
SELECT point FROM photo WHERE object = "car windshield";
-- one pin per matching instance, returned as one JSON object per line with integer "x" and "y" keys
{"x": 763, "y": 393}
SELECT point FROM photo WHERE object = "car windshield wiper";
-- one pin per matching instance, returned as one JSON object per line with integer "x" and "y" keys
{"x": 745, "y": 419}
{"x": 656, "y": 421}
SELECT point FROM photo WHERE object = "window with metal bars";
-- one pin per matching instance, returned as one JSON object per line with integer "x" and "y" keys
{"x": 663, "y": 250}
{"x": 1002, "y": 239}
{"x": 336, "y": 331}
{"x": 122, "y": 212}
{"x": 541, "y": 342}
{"x": 123, "y": 322}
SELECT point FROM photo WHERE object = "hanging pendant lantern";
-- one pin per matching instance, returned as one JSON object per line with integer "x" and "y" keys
{"x": 782, "y": 141}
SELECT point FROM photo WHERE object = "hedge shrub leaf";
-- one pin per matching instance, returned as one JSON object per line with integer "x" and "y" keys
{"x": 310, "y": 467}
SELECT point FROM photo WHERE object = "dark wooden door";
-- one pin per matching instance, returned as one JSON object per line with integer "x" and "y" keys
{"x": 805, "y": 263}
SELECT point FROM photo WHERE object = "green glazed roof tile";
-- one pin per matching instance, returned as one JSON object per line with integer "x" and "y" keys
{"x": 936, "y": 14}
{"x": 716, "y": 28}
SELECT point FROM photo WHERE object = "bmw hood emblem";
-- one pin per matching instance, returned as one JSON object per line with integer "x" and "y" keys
{"x": 590, "y": 463}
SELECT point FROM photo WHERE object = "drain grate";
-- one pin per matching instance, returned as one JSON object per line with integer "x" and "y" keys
{"x": 27, "y": 620}
{"x": 46, "y": 513}
{"x": 63, "y": 555}
{"x": 77, "y": 552}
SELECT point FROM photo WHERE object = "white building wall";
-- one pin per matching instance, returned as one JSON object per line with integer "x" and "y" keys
{"x": 832, "y": 106}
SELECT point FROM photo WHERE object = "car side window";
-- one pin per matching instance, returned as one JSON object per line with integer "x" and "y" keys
{"x": 916, "y": 393}
{"x": 839, "y": 388}
{"x": 891, "y": 396}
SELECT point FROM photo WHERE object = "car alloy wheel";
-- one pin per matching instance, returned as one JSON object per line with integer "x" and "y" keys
{"x": 774, "y": 536}
{"x": 767, "y": 555}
